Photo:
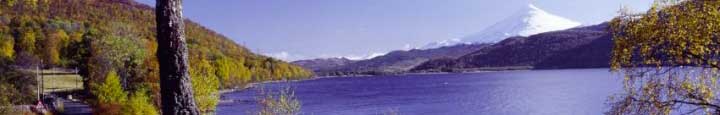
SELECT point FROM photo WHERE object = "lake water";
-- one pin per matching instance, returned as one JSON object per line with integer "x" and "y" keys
{"x": 537, "y": 92}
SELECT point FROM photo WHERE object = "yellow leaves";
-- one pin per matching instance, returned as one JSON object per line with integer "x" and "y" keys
{"x": 231, "y": 72}
{"x": 27, "y": 41}
{"x": 30, "y": 3}
{"x": 110, "y": 91}
{"x": 670, "y": 30}
{"x": 62, "y": 36}
{"x": 139, "y": 104}
{"x": 688, "y": 86}
{"x": 677, "y": 34}
{"x": 205, "y": 85}
{"x": 113, "y": 100}
{"x": 9, "y": 3}
{"x": 53, "y": 44}
{"x": 7, "y": 44}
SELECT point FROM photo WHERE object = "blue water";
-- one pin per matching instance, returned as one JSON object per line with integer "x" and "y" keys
{"x": 538, "y": 92}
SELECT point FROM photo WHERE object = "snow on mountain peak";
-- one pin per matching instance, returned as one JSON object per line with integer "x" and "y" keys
{"x": 531, "y": 6}
{"x": 444, "y": 43}
{"x": 528, "y": 21}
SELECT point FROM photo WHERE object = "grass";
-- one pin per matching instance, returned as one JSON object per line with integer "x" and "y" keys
{"x": 59, "y": 80}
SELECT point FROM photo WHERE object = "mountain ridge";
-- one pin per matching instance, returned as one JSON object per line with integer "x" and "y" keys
{"x": 399, "y": 61}
{"x": 580, "y": 47}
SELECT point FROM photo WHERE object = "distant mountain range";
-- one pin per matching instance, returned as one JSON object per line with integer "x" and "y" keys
{"x": 584, "y": 47}
{"x": 324, "y": 63}
{"x": 391, "y": 63}
{"x": 530, "y": 39}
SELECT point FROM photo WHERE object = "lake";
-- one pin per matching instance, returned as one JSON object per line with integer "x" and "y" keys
{"x": 537, "y": 92}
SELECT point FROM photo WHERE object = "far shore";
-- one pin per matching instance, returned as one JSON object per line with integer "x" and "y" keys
{"x": 251, "y": 85}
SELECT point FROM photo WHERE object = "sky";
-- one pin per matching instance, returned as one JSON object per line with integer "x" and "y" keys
{"x": 359, "y": 29}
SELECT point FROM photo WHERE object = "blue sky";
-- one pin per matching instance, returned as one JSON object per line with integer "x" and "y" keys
{"x": 303, "y": 29}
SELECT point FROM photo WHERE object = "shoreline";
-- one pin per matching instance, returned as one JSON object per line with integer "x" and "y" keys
{"x": 252, "y": 85}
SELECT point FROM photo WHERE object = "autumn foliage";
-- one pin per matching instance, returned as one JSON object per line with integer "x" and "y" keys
{"x": 99, "y": 37}
{"x": 669, "y": 56}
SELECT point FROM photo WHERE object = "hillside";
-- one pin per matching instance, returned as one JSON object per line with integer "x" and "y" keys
{"x": 99, "y": 37}
{"x": 399, "y": 61}
{"x": 323, "y": 64}
{"x": 573, "y": 48}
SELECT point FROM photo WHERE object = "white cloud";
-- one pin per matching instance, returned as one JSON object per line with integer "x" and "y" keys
{"x": 285, "y": 56}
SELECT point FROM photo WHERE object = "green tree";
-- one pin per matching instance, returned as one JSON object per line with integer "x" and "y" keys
{"x": 27, "y": 41}
{"x": 669, "y": 58}
{"x": 7, "y": 43}
{"x": 139, "y": 104}
{"x": 9, "y": 3}
{"x": 232, "y": 73}
{"x": 5, "y": 100}
{"x": 53, "y": 45}
{"x": 110, "y": 95}
{"x": 32, "y": 4}
{"x": 243, "y": 72}
{"x": 205, "y": 85}
{"x": 122, "y": 45}
{"x": 114, "y": 35}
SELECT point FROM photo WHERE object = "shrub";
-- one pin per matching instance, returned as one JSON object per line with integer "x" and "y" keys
{"x": 5, "y": 103}
{"x": 139, "y": 104}
{"x": 19, "y": 87}
{"x": 284, "y": 104}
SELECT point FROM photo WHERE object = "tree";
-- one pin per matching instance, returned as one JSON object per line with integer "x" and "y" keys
{"x": 5, "y": 100}
{"x": 139, "y": 104}
{"x": 175, "y": 87}
{"x": 7, "y": 43}
{"x": 123, "y": 51}
{"x": 52, "y": 45}
{"x": 669, "y": 57}
{"x": 27, "y": 41}
{"x": 232, "y": 73}
{"x": 9, "y": 3}
{"x": 110, "y": 95}
{"x": 205, "y": 85}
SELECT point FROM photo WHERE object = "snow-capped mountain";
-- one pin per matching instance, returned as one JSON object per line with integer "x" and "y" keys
{"x": 528, "y": 21}
{"x": 525, "y": 22}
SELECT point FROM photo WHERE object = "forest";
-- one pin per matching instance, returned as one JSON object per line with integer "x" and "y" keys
{"x": 112, "y": 45}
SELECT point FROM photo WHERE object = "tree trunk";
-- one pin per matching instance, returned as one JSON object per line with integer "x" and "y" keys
{"x": 175, "y": 87}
